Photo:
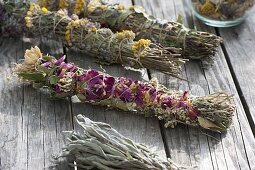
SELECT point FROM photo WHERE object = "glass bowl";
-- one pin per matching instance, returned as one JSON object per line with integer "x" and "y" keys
{"x": 221, "y": 13}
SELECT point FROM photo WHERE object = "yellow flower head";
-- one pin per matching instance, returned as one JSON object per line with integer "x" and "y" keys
{"x": 126, "y": 34}
{"x": 131, "y": 8}
{"x": 103, "y": 7}
{"x": 44, "y": 10}
{"x": 95, "y": 4}
{"x": 79, "y": 6}
{"x": 141, "y": 44}
{"x": 32, "y": 6}
{"x": 63, "y": 4}
{"x": 94, "y": 29}
{"x": 120, "y": 7}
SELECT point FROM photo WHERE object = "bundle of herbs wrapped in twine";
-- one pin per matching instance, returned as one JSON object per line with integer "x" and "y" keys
{"x": 102, "y": 147}
{"x": 213, "y": 112}
{"x": 102, "y": 43}
{"x": 11, "y": 20}
{"x": 195, "y": 44}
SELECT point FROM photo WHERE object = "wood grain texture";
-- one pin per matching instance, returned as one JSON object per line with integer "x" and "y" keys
{"x": 191, "y": 146}
{"x": 239, "y": 43}
{"x": 30, "y": 123}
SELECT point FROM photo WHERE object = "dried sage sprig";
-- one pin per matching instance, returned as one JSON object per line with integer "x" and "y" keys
{"x": 213, "y": 112}
{"x": 195, "y": 44}
{"x": 102, "y": 147}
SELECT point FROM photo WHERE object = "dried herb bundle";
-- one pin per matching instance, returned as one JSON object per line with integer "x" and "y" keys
{"x": 101, "y": 43}
{"x": 11, "y": 17}
{"x": 102, "y": 147}
{"x": 63, "y": 79}
{"x": 195, "y": 44}
{"x": 223, "y": 9}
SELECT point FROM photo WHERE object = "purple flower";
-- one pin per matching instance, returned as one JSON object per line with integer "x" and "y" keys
{"x": 46, "y": 64}
{"x": 166, "y": 102}
{"x": 123, "y": 90}
{"x": 109, "y": 83}
{"x": 60, "y": 60}
{"x": 57, "y": 88}
{"x": 181, "y": 105}
{"x": 61, "y": 73}
{"x": 192, "y": 114}
{"x": 88, "y": 75}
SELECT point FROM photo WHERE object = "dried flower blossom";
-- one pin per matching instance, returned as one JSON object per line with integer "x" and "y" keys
{"x": 63, "y": 79}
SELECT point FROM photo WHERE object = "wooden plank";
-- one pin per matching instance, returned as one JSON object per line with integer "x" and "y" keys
{"x": 239, "y": 44}
{"x": 31, "y": 124}
{"x": 190, "y": 146}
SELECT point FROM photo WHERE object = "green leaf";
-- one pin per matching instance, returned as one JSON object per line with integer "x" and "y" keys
{"x": 180, "y": 19}
{"x": 123, "y": 17}
{"x": 129, "y": 156}
{"x": 81, "y": 85}
{"x": 59, "y": 96}
{"x": 43, "y": 69}
{"x": 81, "y": 97}
{"x": 53, "y": 79}
{"x": 38, "y": 85}
{"x": 32, "y": 76}
{"x": 207, "y": 124}
{"x": 48, "y": 58}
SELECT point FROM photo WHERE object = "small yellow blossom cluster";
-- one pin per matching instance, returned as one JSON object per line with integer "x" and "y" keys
{"x": 125, "y": 34}
{"x": 71, "y": 25}
{"x": 44, "y": 10}
{"x": 29, "y": 15}
{"x": 79, "y": 6}
{"x": 95, "y": 4}
{"x": 63, "y": 4}
{"x": 92, "y": 7}
{"x": 141, "y": 44}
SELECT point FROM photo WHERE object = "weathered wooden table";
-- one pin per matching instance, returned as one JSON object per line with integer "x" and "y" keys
{"x": 31, "y": 123}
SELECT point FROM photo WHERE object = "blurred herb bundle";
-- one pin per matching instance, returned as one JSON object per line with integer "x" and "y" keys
{"x": 223, "y": 9}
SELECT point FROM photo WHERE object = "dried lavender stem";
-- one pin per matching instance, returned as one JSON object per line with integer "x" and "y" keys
{"x": 213, "y": 112}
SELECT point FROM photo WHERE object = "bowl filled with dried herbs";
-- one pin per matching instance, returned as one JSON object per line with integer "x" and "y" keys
{"x": 221, "y": 13}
